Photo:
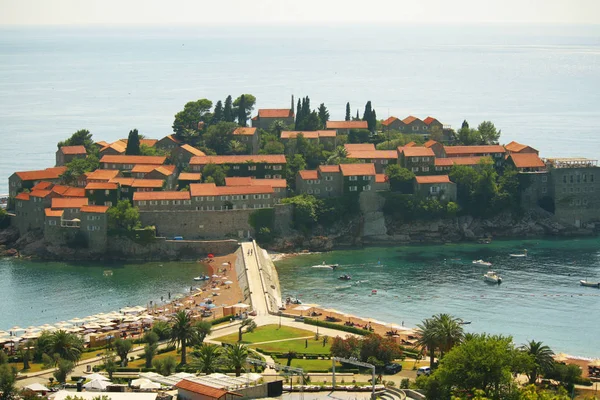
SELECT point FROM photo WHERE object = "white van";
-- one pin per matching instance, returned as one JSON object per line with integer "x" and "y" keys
{"x": 424, "y": 371}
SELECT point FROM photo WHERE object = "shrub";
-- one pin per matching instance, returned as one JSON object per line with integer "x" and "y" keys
{"x": 338, "y": 327}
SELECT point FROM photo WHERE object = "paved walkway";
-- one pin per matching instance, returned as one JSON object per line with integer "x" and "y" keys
{"x": 257, "y": 292}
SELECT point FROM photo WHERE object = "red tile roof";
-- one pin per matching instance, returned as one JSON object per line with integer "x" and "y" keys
{"x": 190, "y": 176}
{"x": 145, "y": 142}
{"x": 119, "y": 146}
{"x": 357, "y": 169}
{"x": 165, "y": 170}
{"x": 123, "y": 181}
{"x": 22, "y": 196}
{"x": 374, "y": 154}
{"x": 347, "y": 125}
{"x": 273, "y": 182}
{"x": 69, "y": 202}
{"x": 71, "y": 150}
{"x": 433, "y": 179}
{"x": 143, "y": 168}
{"x": 410, "y": 119}
{"x": 469, "y": 150}
{"x": 172, "y": 138}
{"x": 210, "y": 189}
{"x": 148, "y": 183}
{"x": 275, "y": 113}
{"x": 429, "y": 120}
{"x": 40, "y": 193}
{"x": 60, "y": 189}
{"x": 42, "y": 186}
{"x": 101, "y": 143}
{"x": 103, "y": 174}
{"x": 359, "y": 147}
{"x": 527, "y": 160}
{"x": 430, "y": 143}
{"x": 410, "y": 144}
{"x": 95, "y": 209}
{"x": 74, "y": 192}
{"x": 389, "y": 121}
{"x": 417, "y": 152}
{"x": 308, "y": 174}
{"x": 244, "y": 131}
{"x": 207, "y": 391}
{"x": 101, "y": 186}
{"x": 238, "y": 181}
{"x": 444, "y": 162}
{"x": 39, "y": 175}
{"x": 122, "y": 159}
{"x": 515, "y": 147}
{"x": 448, "y": 162}
{"x": 192, "y": 150}
{"x": 307, "y": 134}
{"x": 141, "y": 196}
{"x": 239, "y": 159}
{"x": 380, "y": 178}
{"x": 329, "y": 168}
{"x": 48, "y": 212}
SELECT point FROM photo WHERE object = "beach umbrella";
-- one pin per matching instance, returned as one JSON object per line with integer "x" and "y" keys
{"x": 150, "y": 385}
{"x": 92, "y": 325}
{"x": 225, "y": 264}
{"x": 97, "y": 377}
{"x": 96, "y": 385}
{"x": 561, "y": 357}
{"x": 241, "y": 305}
{"x": 210, "y": 306}
{"x": 215, "y": 276}
{"x": 90, "y": 318}
{"x": 16, "y": 328}
{"x": 211, "y": 255}
{"x": 595, "y": 363}
{"x": 76, "y": 320}
{"x": 3, "y": 333}
{"x": 123, "y": 325}
{"x": 37, "y": 387}
{"x": 74, "y": 329}
{"x": 228, "y": 282}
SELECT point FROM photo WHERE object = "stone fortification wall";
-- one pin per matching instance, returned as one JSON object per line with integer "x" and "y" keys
{"x": 161, "y": 249}
{"x": 269, "y": 279}
{"x": 242, "y": 277}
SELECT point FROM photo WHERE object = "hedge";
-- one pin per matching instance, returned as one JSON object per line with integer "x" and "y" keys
{"x": 335, "y": 326}
{"x": 218, "y": 321}
{"x": 127, "y": 369}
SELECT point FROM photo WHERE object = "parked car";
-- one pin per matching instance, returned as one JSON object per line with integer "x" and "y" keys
{"x": 424, "y": 371}
{"x": 392, "y": 368}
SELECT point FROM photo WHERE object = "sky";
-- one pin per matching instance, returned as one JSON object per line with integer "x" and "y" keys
{"x": 300, "y": 12}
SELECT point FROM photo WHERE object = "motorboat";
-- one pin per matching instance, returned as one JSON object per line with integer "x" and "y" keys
{"x": 482, "y": 263}
{"x": 463, "y": 322}
{"x": 328, "y": 266}
{"x": 590, "y": 284}
{"x": 345, "y": 277}
{"x": 492, "y": 277}
{"x": 519, "y": 255}
{"x": 202, "y": 278}
{"x": 292, "y": 300}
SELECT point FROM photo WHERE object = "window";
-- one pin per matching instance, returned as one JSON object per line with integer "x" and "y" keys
{"x": 106, "y": 203}
{"x": 328, "y": 178}
{"x": 252, "y": 168}
{"x": 278, "y": 176}
{"x": 210, "y": 198}
{"x": 328, "y": 188}
{"x": 366, "y": 178}
{"x": 317, "y": 191}
{"x": 578, "y": 190}
{"x": 571, "y": 190}
{"x": 425, "y": 159}
{"x": 91, "y": 191}
{"x": 52, "y": 222}
{"x": 384, "y": 162}
{"x": 266, "y": 196}
{"x": 585, "y": 202}
{"x": 353, "y": 188}
{"x": 125, "y": 190}
{"x": 107, "y": 192}
{"x": 142, "y": 203}
{"x": 256, "y": 196}
{"x": 267, "y": 176}
{"x": 591, "y": 177}
{"x": 224, "y": 197}
{"x": 277, "y": 167}
{"x": 434, "y": 189}
{"x": 153, "y": 202}
{"x": 578, "y": 202}
{"x": 544, "y": 189}
{"x": 200, "y": 226}
{"x": 415, "y": 128}
{"x": 415, "y": 169}
{"x": 571, "y": 178}
{"x": 425, "y": 169}
{"x": 267, "y": 167}
{"x": 277, "y": 190}
{"x": 578, "y": 178}
{"x": 353, "y": 178}
{"x": 176, "y": 202}
{"x": 564, "y": 179}
{"x": 245, "y": 197}
{"x": 309, "y": 191}
{"x": 438, "y": 168}
{"x": 368, "y": 187}
{"x": 164, "y": 202}
{"x": 544, "y": 178}
{"x": 236, "y": 167}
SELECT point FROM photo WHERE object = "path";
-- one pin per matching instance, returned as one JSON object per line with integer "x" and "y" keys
{"x": 257, "y": 292}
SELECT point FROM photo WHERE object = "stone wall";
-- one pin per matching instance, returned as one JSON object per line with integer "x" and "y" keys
{"x": 163, "y": 249}
{"x": 242, "y": 277}
{"x": 269, "y": 279}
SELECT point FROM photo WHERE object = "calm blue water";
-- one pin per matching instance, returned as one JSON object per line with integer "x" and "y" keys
{"x": 36, "y": 293}
{"x": 540, "y": 297}
{"x": 540, "y": 85}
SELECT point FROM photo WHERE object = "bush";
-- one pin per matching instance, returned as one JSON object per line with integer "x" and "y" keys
{"x": 404, "y": 383}
{"x": 338, "y": 327}
{"x": 218, "y": 321}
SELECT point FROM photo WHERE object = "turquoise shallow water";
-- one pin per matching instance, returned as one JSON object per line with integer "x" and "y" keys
{"x": 539, "y": 299}
{"x": 35, "y": 293}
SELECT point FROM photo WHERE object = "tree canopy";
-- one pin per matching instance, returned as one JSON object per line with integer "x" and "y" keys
{"x": 82, "y": 137}
{"x": 213, "y": 173}
{"x": 133, "y": 143}
{"x": 186, "y": 121}
{"x": 123, "y": 217}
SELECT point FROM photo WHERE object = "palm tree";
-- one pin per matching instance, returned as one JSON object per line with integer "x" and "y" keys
{"x": 207, "y": 357}
{"x": 337, "y": 155}
{"x": 181, "y": 332}
{"x": 236, "y": 147}
{"x": 428, "y": 338}
{"x": 247, "y": 323}
{"x": 449, "y": 332}
{"x": 541, "y": 355}
{"x": 201, "y": 330}
{"x": 67, "y": 345}
{"x": 236, "y": 356}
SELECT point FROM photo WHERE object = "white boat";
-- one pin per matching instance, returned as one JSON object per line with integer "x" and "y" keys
{"x": 519, "y": 255}
{"x": 202, "y": 278}
{"x": 483, "y": 263}
{"x": 590, "y": 284}
{"x": 492, "y": 277}
{"x": 328, "y": 266}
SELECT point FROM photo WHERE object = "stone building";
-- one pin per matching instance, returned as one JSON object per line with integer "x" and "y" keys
{"x": 66, "y": 154}
{"x": 420, "y": 160}
{"x": 496, "y": 152}
{"x": 258, "y": 166}
{"x": 182, "y": 155}
{"x": 126, "y": 163}
{"x": 357, "y": 178}
{"x": 344, "y": 127}
{"x": 327, "y": 138}
{"x": 27, "y": 179}
{"x": 438, "y": 186}
{"x": 380, "y": 158}
{"x": 102, "y": 193}
{"x": 168, "y": 143}
{"x": 525, "y": 162}
{"x": 515, "y": 147}
{"x": 437, "y": 147}
{"x": 268, "y": 116}
{"x": 249, "y": 137}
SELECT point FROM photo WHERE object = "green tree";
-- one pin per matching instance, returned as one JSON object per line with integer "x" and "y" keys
{"x": 165, "y": 366}
{"x": 217, "y": 137}
{"x": 133, "y": 143}
{"x": 348, "y": 117}
{"x": 77, "y": 167}
{"x": 236, "y": 356}
{"x": 218, "y": 115}
{"x": 247, "y": 325}
{"x": 228, "y": 115}
{"x": 67, "y": 345}
{"x": 468, "y": 136}
{"x": 241, "y": 116}
{"x": 306, "y": 211}
{"x": 323, "y": 115}
{"x": 25, "y": 351}
{"x": 214, "y": 173}
{"x": 244, "y": 110}
{"x": 186, "y": 121}
{"x": 8, "y": 377}
{"x": 206, "y": 358}
{"x": 370, "y": 116}
{"x": 464, "y": 124}
{"x": 271, "y": 144}
{"x": 541, "y": 357}
{"x": 381, "y": 350}
{"x": 123, "y": 347}
{"x": 449, "y": 332}
{"x": 293, "y": 166}
{"x": 63, "y": 368}
{"x": 488, "y": 133}
{"x": 428, "y": 338}
{"x": 338, "y": 155}
{"x": 401, "y": 179}
{"x": 82, "y": 137}
{"x": 237, "y": 147}
{"x": 150, "y": 348}
{"x": 162, "y": 329}
{"x": 123, "y": 217}
{"x": 436, "y": 134}
{"x": 110, "y": 365}
{"x": 182, "y": 332}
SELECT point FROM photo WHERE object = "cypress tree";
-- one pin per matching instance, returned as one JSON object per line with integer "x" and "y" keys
{"x": 464, "y": 125}
{"x": 133, "y": 143}
{"x": 242, "y": 117}
{"x": 367, "y": 113}
{"x": 292, "y": 106}
{"x": 373, "y": 121}
{"x": 357, "y": 115}
{"x": 228, "y": 110}
{"x": 298, "y": 116}
{"x": 218, "y": 114}
{"x": 348, "y": 111}
{"x": 323, "y": 115}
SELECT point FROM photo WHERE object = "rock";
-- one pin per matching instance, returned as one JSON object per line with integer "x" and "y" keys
{"x": 9, "y": 235}
{"x": 11, "y": 253}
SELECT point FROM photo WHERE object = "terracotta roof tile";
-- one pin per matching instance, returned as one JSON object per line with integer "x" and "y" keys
{"x": 95, "y": 209}
{"x": 42, "y": 186}
{"x": 40, "y": 193}
{"x": 165, "y": 170}
{"x": 357, "y": 169}
{"x": 123, "y": 159}
{"x": 527, "y": 160}
{"x": 410, "y": 119}
{"x": 238, "y": 181}
{"x": 119, "y": 146}
{"x": 69, "y": 202}
{"x": 123, "y": 181}
{"x": 418, "y": 152}
{"x": 71, "y": 150}
{"x": 171, "y": 195}
{"x": 273, "y": 182}
{"x": 206, "y": 391}
{"x": 22, "y": 196}
{"x": 309, "y": 174}
{"x": 244, "y": 131}
{"x": 359, "y": 147}
{"x": 143, "y": 168}
{"x": 239, "y": 159}
{"x": 380, "y": 178}
{"x": 192, "y": 150}
{"x": 102, "y": 186}
{"x": 172, "y": 138}
{"x": 410, "y": 144}
{"x": 432, "y": 179}
{"x": 60, "y": 189}
{"x": 39, "y": 175}
{"x": 190, "y": 176}
{"x": 448, "y": 162}
{"x": 347, "y": 125}
{"x": 467, "y": 151}
{"x": 374, "y": 154}
{"x": 515, "y": 147}
{"x": 103, "y": 174}
{"x": 148, "y": 183}
{"x": 101, "y": 143}
{"x": 275, "y": 113}
{"x": 48, "y": 212}
{"x": 307, "y": 134}
{"x": 389, "y": 121}
{"x": 329, "y": 168}
{"x": 429, "y": 120}
{"x": 430, "y": 143}
{"x": 74, "y": 192}
{"x": 145, "y": 142}
{"x": 210, "y": 189}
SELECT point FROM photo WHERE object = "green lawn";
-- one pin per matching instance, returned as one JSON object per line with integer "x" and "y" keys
{"x": 141, "y": 363}
{"x": 267, "y": 333}
{"x": 309, "y": 365}
{"x": 298, "y": 345}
